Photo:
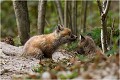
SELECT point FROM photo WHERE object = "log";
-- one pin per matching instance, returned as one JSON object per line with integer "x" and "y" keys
{"x": 10, "y": 50}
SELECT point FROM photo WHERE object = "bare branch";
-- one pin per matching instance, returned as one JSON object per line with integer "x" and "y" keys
{"x": 104, "y": 2}
{"x": 107, "y": 8}
{"x": 112, "y": 27}
{"x": 100, "y": 7}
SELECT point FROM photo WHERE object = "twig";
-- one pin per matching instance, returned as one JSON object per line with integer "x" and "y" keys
{"x": 107, "y": 8}
{"x": 47, "y": 22}
{"x": 100, "y": 7}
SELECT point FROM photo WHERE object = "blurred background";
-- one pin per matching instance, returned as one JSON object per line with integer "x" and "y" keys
{"x": 9, "y": 26}
{"x": 87, "y": 16}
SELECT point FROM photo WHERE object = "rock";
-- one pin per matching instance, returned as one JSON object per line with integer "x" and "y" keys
{"x": 46, "y": 75}
{"x": 57, "y": 56}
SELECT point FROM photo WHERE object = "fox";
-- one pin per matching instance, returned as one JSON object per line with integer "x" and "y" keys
{"x": 45, "y": 45}
{"x": 86, "y": 46}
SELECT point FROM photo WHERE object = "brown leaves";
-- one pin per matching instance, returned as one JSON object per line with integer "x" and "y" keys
{"x": 8, "y": 40}
{"x": 59, "y": 68}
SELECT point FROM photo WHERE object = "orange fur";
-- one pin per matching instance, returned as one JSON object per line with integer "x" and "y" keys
{"x": 46, "y": 44}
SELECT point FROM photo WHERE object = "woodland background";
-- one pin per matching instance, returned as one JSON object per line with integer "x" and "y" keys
{"x": 83, "y": 17}
{"x": 23, "y": 19}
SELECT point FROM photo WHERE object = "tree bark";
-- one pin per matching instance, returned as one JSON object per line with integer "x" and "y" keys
{"x": 85, "y": 16}
{"x": 69, "y": 14}
{"x": 74, "y": 17}
{"x": 22, "y": 19}
{"x": 103, "y": 12}
{"x": 60, "y": 11}
{"x": 41, "y": 16}
{"x": 66, "y": 14}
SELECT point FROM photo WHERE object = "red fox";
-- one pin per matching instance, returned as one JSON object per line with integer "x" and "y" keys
{"x": 45, "y": 45}
{"x": 87, "y": 46}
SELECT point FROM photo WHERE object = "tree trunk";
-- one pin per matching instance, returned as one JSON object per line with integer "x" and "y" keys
{"x": 69, "y": 14}
{"x": 103, "y": 12}
{"x": 111, "y": 32}
{"x": 22, "y": 19}
{"x": 85, "y": 15}
{"x": 66, "y": 14}
{"x": 41, "y": 16}
{"x": 60, "y": 11}
{"x": 81, "y": 18}
{"x": 104, "y": 35}
{"x": 74, "y": 17}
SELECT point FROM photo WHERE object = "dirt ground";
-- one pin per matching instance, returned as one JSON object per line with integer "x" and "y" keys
{"x": 13, "y": 64}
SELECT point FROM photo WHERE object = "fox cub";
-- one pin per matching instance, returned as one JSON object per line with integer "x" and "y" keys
{"x": 87, "y": 46}
{"x": 45, "y": 45}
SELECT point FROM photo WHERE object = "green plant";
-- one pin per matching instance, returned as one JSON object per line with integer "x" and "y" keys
{"x": 71, "y": 46}
{"x": 95, "y": 34}
{"x": 82, "y": 57}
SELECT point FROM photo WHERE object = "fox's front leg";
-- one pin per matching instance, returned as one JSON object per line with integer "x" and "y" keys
{"x": 39, "y": 54}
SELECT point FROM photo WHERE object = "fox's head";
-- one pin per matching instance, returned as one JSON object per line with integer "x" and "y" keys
{"x": 86, "y": 45}
{"x": 64, "y": 34}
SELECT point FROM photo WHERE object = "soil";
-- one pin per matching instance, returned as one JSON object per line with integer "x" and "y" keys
{"x": 11, "y": 63}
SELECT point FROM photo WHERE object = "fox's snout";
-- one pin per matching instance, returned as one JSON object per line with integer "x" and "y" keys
{"x": 73, "y": 37}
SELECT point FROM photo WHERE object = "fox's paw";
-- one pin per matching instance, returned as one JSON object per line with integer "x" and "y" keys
{"x": 39, "y": 56}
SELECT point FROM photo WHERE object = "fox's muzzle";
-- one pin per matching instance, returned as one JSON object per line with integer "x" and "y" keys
{"x": 73, "y": 37}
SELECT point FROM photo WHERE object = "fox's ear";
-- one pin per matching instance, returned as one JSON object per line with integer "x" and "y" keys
{"x": 59, "y": 27}
{"x": 81, "y": 38}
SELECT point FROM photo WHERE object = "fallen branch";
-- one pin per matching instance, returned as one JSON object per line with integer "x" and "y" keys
{"x": 10, "y": 50}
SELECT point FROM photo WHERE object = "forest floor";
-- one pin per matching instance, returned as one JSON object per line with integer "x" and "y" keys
{"x": 14, "y": 65}
{"x": 63, "y": 65}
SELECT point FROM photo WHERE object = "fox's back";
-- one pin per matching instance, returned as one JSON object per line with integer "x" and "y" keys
{"x": 46, "y": 44}
{"x": 40, "y": 41}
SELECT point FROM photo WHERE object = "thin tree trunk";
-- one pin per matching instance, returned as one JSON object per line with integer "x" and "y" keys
{"x": 85, "y": 16}
{"x": 22, "y": 19}
{"x": 112, "y": 31}
{"x": 103, "y": 12}
{"x": 41, "y": 16}
{"x": 69, "y": 14}
{"x": 104, "y": 35}
{"x": 74, "y": 17}
{"x": 66, "y": 14}
{"x": 60, "y": 11}
{"x": 81, "y": 18}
